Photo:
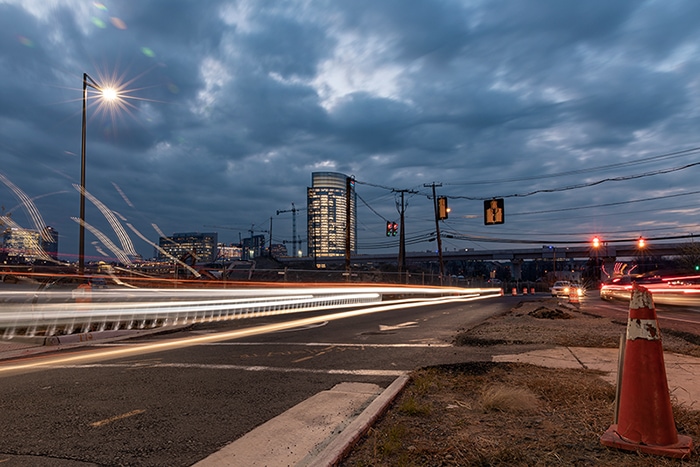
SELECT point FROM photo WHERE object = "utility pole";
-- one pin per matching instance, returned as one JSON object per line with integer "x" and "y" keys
{"x": 402, "y": 234}
{"x": 437, "y": 229}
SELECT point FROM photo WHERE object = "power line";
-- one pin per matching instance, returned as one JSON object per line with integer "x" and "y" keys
{"x": 619, "y": 203}
{"x": 581, "y": 185}
{"x": 684, "y": 152}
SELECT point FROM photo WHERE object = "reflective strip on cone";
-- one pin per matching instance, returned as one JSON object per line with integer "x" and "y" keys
{"x": 643, "y": 329}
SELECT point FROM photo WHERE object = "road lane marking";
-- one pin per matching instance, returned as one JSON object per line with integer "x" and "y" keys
{"x": 168, "y": 345}
{"x": 307, "y": 344}
{"x": 116, "y": 418}
{"x": 410, "y": 324}
{"x": 202, "y": 366}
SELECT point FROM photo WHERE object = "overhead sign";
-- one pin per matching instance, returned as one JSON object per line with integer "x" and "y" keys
{"x": 493, "y": 212}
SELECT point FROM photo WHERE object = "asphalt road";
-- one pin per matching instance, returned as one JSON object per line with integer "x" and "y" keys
{"x": 177, "y": 406}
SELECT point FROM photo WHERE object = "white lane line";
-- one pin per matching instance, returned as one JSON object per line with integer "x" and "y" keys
{"x": 303, "y": 344}
{"x": 410, "y": 324}
{"x": 201, "y": 366}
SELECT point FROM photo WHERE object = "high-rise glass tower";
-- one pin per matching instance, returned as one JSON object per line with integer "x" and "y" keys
{"x": 327, "y": 208}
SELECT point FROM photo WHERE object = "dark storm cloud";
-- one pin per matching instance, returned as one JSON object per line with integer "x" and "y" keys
{"x": 232, "y": 105}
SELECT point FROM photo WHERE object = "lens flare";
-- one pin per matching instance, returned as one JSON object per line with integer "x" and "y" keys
{"x": 25, "y": 41}
{"x": 118, "y": 23}
{"x": 98, "y": 22}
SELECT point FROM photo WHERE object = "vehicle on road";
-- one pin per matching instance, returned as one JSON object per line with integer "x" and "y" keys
{"x": 564, "y": 288}
{"x": 678, "y": 290}
{"x": 560, "y": 289}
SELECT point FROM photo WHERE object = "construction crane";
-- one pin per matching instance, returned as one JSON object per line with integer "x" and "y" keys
{"x": 294, "y": 211}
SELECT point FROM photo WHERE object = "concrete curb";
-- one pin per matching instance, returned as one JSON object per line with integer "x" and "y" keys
{"x": 338, "y": 448}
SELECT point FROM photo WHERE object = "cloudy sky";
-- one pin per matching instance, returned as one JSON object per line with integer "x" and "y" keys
{"x": 583, "y": 116}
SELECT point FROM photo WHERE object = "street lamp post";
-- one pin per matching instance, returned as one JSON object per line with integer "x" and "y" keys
{"x": 107, "y": 93}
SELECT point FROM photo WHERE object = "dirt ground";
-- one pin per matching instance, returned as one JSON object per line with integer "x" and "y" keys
{"x": 508, "y": 414}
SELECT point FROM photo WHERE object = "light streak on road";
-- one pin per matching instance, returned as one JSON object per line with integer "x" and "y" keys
{"x": 46, "y": 313}
{"x": 85, "y": 357}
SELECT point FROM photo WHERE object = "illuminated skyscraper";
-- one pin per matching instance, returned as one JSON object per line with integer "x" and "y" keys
{"x": 327, "y": 220}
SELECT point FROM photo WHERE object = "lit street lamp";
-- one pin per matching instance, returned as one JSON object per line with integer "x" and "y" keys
{"x": 107, "y": 93}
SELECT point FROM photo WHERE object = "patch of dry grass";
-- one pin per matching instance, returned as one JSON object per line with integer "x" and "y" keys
{"x": 504, "y": 398}
{"x": 508, "y": 414}
{"x": 505, "y": 414}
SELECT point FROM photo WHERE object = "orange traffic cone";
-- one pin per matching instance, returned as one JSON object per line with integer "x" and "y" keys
{"x": 573, "y": 296}
{"x": 645, "y": 418}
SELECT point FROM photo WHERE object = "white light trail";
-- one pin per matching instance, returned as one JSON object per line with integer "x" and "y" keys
{"x": 29, "y": 205}
{"x": 121, "y": 255}
{"x": 115, "y": 353}
{"x": 127, "y": 245}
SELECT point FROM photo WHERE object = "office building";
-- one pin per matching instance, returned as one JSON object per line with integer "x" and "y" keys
{"x": 22, "y": 244}
{"x": 253, "y": 247}
{"x": 49, "y": 242}
{"x": 327, "y": 219}
{"x": 229, "y": 252}
{"x": 185, "y": 246}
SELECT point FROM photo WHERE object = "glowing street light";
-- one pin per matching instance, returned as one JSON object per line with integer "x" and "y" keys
{"x": 109, "y": 94}
{"x": 641, "y": 243}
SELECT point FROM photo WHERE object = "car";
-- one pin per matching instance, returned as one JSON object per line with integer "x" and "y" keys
{"x": 561, "y": 289}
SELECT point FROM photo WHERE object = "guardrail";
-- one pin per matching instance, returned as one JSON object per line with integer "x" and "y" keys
{"x": 47, "y": 314}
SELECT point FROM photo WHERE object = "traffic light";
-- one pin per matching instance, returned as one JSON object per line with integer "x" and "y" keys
{"x": 389, "y": 228}
{"x": 394, "y": 229}
{"x": 641, "y": 243}
{"x": 443, "y": 210}
{"x": 596, "y": 242}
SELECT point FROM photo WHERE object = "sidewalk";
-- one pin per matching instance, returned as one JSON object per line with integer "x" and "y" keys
{"x": 682, "y": 371}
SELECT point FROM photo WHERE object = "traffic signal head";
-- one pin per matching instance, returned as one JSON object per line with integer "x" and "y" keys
{"x": 596, "y": 242}
{"x": 443, "y": 210}
{"x": 394, "y": 229}
{"x": 641, "y": 243}
{"x": 389, "y": 227}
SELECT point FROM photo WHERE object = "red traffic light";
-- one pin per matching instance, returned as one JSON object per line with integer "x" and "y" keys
{"x": 596, "y": 242}
{"x": 641, "y": 243}
{"x": 394, "y": 229}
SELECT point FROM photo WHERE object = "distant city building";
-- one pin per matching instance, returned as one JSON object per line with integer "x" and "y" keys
{"x": 253, "y": 247}
{"x": 50, "y": 246}
{"x": 22, "y": 244}
{"x": 279, "y": 249}
{"x": 229, "y": 252}
{"x": 327, "y": 214}
{"x": 183, "y": 246}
